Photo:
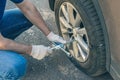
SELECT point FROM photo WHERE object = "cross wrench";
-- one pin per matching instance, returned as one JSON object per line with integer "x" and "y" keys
{"x": 61, "y": 47}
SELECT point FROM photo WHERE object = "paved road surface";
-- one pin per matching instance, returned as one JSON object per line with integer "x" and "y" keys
{"x": 56, "y": 66}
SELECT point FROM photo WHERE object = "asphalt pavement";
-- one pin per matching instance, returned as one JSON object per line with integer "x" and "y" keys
{"x": 56, "y": 66}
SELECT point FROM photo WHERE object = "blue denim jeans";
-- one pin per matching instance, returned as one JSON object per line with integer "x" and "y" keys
{"x": 12, "y": 64}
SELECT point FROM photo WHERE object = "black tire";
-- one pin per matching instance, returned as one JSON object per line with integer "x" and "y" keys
{"x": 96, "y": 63}
{"x": 51, "y": 4}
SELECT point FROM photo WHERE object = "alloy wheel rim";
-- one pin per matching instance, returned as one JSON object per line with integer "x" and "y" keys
{"x": 72, "y": 27}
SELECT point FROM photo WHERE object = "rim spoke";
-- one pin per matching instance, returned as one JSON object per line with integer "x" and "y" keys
{"x": 81, "y": 52}
{"x": 75, "y": 49}
{"x": 65, "y": 23}
{"x": 74, "y": 17}
{"x": 72, "y": 53}
{"x": 81, "y": 31}
{"x": 70, "y": 13}
{"x": 77, "y": 20}
{"x": 64, "y": 30}
{"x": 83, "y": 44}
{"x": 65, "y": 13}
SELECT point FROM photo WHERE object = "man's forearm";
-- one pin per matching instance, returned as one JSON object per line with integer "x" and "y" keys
{"x": 14, "y": 46}
{"x": 30, "y": 11}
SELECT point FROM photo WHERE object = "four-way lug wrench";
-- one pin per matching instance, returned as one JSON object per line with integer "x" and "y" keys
{"x": 57, "y": 46}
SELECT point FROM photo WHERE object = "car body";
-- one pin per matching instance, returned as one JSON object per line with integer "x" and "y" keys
{"x": 109, "y": 15}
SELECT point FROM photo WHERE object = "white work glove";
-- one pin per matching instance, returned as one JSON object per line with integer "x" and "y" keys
{"x": 55, "y": 38}
{"x": 39, "y": 51}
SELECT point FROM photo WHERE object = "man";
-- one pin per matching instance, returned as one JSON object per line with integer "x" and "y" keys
{"x": 12, "y": 23}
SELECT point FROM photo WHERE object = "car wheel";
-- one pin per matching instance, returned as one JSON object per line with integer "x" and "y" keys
{"x": 78, "y": 20}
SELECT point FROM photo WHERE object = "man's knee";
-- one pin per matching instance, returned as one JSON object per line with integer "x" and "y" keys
{"x": 12, "y": 65}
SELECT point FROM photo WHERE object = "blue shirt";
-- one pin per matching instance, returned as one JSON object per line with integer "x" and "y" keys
{"x": 2, "y": 6}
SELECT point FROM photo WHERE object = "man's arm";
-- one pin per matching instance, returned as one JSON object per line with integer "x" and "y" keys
{"x": 7, "y": 44}
{"x": 34, "y": 16}
{"x": 39, "y": 51}
{"x": 36, "y": 51}
{"x": 30, "y": 11}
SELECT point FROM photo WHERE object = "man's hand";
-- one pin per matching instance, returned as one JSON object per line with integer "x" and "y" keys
{"x": 55, "y": 38}
{"x": 40, "y": 51}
